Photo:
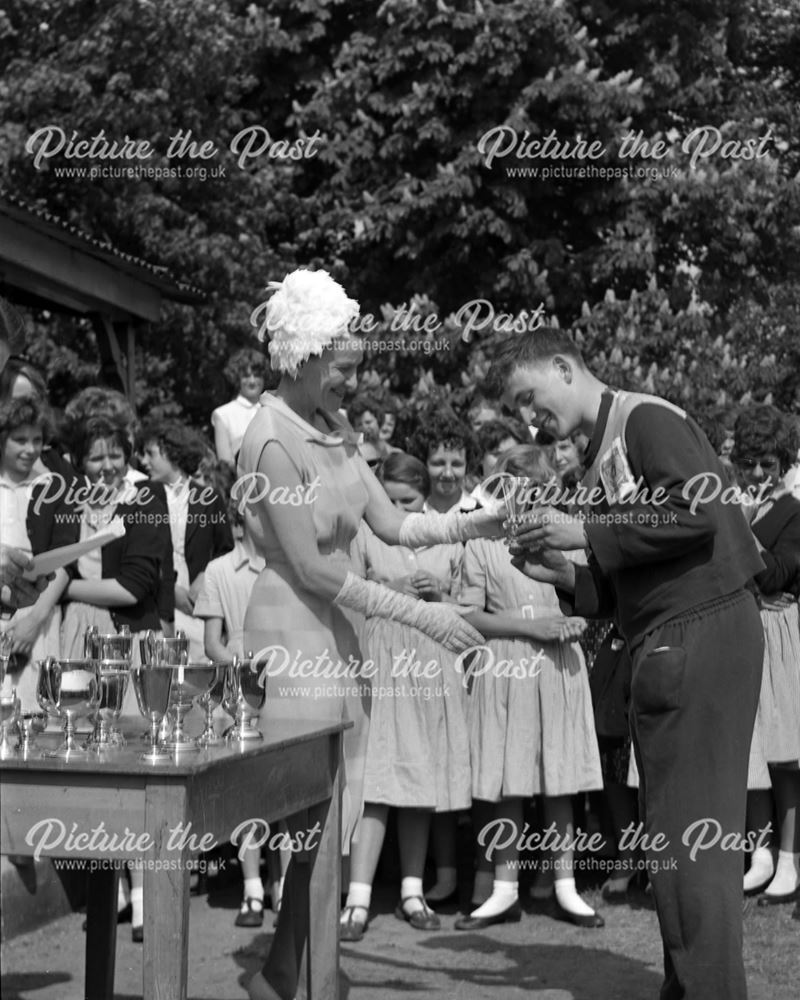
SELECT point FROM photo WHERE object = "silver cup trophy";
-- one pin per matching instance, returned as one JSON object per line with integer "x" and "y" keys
{"x": 189, "y": 681}
{"x": 152, "y": 683}
{"x": 73, "y": 688}
{"x": 245, "y": 692}
{"x": 114, "y": 676}
{"x": 209, "y": 701}
{"x": 161, "y": 651}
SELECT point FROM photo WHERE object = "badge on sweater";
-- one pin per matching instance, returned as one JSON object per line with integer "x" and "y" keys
{"x": 616, "y": 475}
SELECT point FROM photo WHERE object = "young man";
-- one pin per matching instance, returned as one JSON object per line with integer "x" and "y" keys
{"x": 670, "y": 560}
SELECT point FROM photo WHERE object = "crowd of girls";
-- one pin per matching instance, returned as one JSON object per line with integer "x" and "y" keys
{"x": 536, "y": 716}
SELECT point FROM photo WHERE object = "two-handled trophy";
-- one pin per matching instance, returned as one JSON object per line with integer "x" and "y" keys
{"x": 73, "y": 692}
{"x": 114, "y": 653}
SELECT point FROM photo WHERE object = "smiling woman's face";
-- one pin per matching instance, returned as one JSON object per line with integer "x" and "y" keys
{"x": 447, "y": 468}
{"x": 105, "y": 462}
{"x": 333, "y": 374}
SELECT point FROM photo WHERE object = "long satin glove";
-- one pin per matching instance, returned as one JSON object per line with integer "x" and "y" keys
{"x": 439, "y": 621}
{"x": 454, "y": 526}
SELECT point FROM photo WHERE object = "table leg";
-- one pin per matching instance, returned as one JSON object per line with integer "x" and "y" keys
{"x": 101, "y": 933}
{"x": 166, "y": 899}
{"x": 321, "y": 957}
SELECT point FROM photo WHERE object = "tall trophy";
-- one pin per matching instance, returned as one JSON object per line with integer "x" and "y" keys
{"x": 162, "y": 651}
{"x": 114, "y": 676}
{"x": 244, "y": 699}
{"x": 209, "y": 701}
{"x": 152, "y": 683}
{"x": 114, "y": 651}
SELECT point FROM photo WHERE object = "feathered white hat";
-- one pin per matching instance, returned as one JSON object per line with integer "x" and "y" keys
{"x": 308, "y": 310}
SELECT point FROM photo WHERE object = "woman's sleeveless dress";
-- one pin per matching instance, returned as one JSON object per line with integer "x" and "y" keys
{"x": 298, "y": 624}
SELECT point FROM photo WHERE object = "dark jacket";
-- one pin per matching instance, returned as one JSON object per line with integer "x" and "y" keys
{"x": 52, "y": 519}
{"x": 208, "y": 534}
{"x": 141, "y": 562}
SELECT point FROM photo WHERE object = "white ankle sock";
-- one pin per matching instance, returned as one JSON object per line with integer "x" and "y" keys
{"x": 122, "y": 894}
{"x": 568, "y": 898}
{"x": 504, "y": 894}
{"x": 359, "y": 894}
{"x": 761, "y": 869}
{"x": 446, "y": 883}
{"x": 787, "y": 874}
{"x": 482, "y": 889}
{"x": 254, "y": 889}
{"x": 137, "y": 907}
{"x": 411, "y": 887}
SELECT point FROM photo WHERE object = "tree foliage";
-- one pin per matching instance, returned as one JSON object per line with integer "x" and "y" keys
{"x": 683, "y": 282}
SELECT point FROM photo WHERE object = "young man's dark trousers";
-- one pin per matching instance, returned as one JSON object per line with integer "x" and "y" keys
{"x": 694, "y": 694}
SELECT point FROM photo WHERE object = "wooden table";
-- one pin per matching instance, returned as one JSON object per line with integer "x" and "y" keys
{"x": 294, "y": 770}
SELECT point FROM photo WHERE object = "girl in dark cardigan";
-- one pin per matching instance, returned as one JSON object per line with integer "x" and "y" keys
{"x": 119, "y": 584}
{"x": 124, "y": 582}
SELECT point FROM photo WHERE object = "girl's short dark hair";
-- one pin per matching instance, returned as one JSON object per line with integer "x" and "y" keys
{"x": 362, "y": 404}
{"x": 180, "y": 445}
{"x": 398, "y": 467}
{"x": 438, "y": 427}
{"x": 762, "y": 429}
{"x": 83, "y": 434}
{"x": 16, "y": 366}
{"x": 248, "y": 359}
{"x": 98, "y": 401}
{"x": 23, "y": 411}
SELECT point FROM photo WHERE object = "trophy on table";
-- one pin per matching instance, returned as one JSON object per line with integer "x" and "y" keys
{"x": 209, "y": 701}
{"x": 114, "y": 676}
{"x": 189, "y": 681}
{"x": 152, "y": 683}
{"x": 244, "y": 699}
{"x": 162, "y": 651}
{"x": 114, "y": 653}
{"x": 73, "y": 688}
{"x": 30, "y": 725}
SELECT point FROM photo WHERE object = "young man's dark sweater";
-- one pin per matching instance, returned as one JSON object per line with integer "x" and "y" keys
{"x": 650, "y": 562}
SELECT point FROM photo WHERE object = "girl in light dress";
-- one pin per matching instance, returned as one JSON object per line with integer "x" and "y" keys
{"x": 763, "y": 450}
{"x": 417, "y": 751}
{"x": 530, "y": 719}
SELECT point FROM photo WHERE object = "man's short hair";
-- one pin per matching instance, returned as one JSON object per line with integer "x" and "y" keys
{"x": 530, "y": 348}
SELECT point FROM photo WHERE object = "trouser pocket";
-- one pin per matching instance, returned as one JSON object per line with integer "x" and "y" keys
{"x": 658, "y": 678}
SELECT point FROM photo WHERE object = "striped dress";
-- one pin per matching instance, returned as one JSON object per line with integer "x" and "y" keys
{"x": 418, "y": 748}
{"x": 776, "y": 736}
{"x": 530, "y": 709}
{"x": 294, "y": 623}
